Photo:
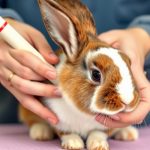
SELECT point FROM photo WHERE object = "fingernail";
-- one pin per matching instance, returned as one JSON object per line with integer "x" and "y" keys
{"x": 52, "y": 55}
{"x": 97, "y": 118}
{"x": 115, "y": 117}
{"x": 52, "y": 121}
{"x": 51, "y": 75}
{"x": 57, "y": 93}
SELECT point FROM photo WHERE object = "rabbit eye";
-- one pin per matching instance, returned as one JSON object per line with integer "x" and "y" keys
{"x": 96, "y": 75}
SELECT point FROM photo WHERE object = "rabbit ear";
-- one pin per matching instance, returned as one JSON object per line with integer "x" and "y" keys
{"x": 60, "y": 27}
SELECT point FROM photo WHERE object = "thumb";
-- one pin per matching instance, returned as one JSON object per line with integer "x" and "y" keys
{"x": 109, "y": 37}
{"x": 41, "y": 44}
{"x": 139, "y": 75}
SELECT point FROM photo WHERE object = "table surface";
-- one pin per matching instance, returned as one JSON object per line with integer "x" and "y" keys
{"x": 15, "y": 137}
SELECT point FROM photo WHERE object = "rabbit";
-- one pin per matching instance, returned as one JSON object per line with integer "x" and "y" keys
{"x": 94, "y": 78}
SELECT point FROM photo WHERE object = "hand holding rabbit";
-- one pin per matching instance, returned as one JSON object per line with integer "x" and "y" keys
{"x": 135, "y": 43}
{"x": 27, "y": 69}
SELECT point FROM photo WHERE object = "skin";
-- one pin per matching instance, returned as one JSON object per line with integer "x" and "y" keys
{"x": 29, "y": 70}
{"x": 135, "y": 43}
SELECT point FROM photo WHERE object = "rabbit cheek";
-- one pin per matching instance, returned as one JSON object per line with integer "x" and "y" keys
{"x": 73, "y": 85}
{"x": 118, "y": 93}
{"x": 107, "y": 101}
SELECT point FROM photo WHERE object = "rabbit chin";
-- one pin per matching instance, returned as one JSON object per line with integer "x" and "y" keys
{"x": 106, "y": 111}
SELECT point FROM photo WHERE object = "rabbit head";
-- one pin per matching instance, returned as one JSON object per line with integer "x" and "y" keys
{"x": 95, "y": 77}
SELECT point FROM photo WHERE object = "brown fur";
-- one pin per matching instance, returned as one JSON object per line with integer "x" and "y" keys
{"x": 28, "y": 117}
{"x": 108, "y": 97}
{"x": 135, "y": 101}
{"x": 110, "y": 132}
{"x": 130, "y": 136}
{"x": 70, "y": 81}
{"x": 80, "y": 18}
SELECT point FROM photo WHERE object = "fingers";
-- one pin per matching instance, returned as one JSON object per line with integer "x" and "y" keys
{"x": 109, "y": 37}
{"x": 6, "y": 60}
{"x": 137, "y": 115}
{"x": 109, "y": 122}
{"x": 34, "y": 88}
{"x": 29, "y": 60}
{"x": 32, "y": 104}
{"x": 32, "y": 68}
{"x": 139, "y": 76}
{"x": 43, "y": 47}
{"x": 31, "y": 87}
{"x": 21, "y": 70}
{"x": 127, "y": 118}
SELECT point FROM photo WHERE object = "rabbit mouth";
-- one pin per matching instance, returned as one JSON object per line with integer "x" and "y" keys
{"x": 109, "y": 113}
{"x": 112, "y": 108}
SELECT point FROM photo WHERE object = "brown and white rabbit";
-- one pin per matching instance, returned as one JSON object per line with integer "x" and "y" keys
{"x": 93, "y": 77}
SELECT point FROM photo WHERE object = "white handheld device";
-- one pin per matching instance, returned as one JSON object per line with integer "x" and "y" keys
{"x": 14, "y": 39}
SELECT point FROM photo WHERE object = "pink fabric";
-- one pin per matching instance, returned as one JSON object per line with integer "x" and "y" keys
{"x": 15, "y": 137}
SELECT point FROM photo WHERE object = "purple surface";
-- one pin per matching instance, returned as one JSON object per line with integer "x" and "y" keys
{"x": 15, "y": 137}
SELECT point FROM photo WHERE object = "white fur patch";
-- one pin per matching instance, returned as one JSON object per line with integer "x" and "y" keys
{"x": 125, "y": 88}
{"x": 97, "y": 140}
{"x": 127, "y": 134}
{"x": 94, "y": 107}
{"x": 72, "y": 141}
{"x": 41, "y": 131}
{"x": 72, "y": 119}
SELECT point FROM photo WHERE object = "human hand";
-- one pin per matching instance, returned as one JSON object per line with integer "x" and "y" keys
{"x": 135, "y": 43}
{"x": 28, "y": 71}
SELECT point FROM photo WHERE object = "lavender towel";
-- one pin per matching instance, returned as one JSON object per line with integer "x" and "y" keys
{"x": 15, "y": 137}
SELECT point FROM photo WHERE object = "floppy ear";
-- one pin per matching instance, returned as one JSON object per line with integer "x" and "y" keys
{"x": 60, "y": 27}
